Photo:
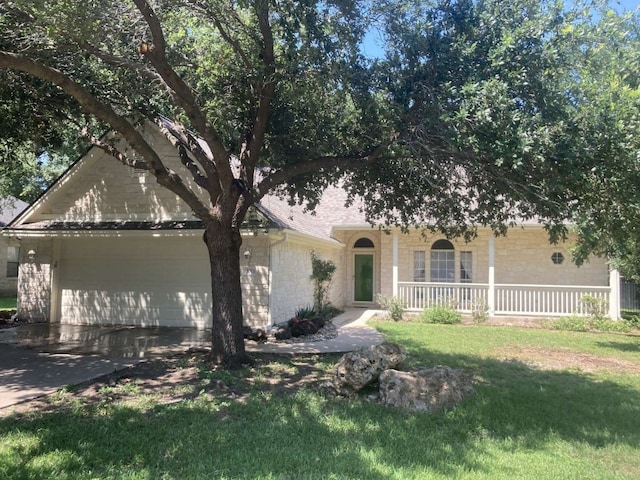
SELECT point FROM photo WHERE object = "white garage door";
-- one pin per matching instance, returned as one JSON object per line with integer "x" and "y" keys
{"x": 135, "y": 281}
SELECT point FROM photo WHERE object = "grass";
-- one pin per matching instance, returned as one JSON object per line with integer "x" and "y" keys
{"x": 8, "y": 303}
{"x": 522, "y": 422}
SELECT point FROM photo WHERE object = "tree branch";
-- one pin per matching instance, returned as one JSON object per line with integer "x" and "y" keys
{"x": 267, "y": 89}
{"x": 164, "y": 176}
{"x": 351, "y": 162}
{"x": 183, "y": 97}
{"x": 118, "y": 61}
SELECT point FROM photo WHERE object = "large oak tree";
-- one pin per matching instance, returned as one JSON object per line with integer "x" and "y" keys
{"x": 470, "y": 118}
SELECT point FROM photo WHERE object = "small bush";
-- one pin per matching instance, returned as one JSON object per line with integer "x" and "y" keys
{"x": 607, "y": 325}
{"x": 632, "y": 318}
{"x": 440, "y": 314}
{"x": 595, "y": 307}
{"x": 393, "y": 305}
{"x": 573, "y": 323}
{"x": 479, "y": 310}
{"x": 577, "y": 323}
{"x": 306, "y": 312}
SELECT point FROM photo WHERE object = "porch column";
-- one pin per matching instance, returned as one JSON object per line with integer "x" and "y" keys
{"x": 395, "y": 263}
{"x": 614, "y": 294}
{"x": 491, "y": 294}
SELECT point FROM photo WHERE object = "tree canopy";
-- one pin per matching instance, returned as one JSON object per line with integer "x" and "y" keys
{"x": 479, "y": 113}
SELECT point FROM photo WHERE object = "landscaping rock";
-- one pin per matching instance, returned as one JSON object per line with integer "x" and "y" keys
{"x": 359, "y": 368}
{"x": 431, "y": 390}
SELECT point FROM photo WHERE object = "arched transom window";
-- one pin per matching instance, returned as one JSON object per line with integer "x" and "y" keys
{"x": 443, "y": 262}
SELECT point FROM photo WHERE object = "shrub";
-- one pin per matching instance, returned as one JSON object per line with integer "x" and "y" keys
{"x": 393, "y": 305}
{"x": 595, "y": 307}
{"x": 306, "y": 312}
{"x": 574, "y": 323}
{"x": 440, "y": 314}
{"x": 322, "y": 275}
{"x": 479, "y": 310}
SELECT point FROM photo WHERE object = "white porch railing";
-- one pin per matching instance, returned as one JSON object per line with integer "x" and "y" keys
{"x": 551, "y": 300}
{"x": 463, "y": 296}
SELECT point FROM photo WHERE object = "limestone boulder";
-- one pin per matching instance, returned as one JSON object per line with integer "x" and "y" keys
{"x": 357, "y": 369}
{"x": 431, "y": 389}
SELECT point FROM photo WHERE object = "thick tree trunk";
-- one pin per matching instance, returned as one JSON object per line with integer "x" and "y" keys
{"x": 227, "y": 342}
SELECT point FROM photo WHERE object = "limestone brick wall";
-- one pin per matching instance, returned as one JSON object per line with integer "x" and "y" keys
{"x": 254, "y": 272}
{"x": 524, "y": 256}
{"x": 292, "y": 287}
{"x": 34, "y": 290}
{"x": 8, "y": 285}
{"x": 101, "y": 188}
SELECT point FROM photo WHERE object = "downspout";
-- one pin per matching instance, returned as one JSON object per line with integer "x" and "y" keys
{"x": 284, "y": 238}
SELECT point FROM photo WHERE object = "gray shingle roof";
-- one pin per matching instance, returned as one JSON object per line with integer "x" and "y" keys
{"x": 330, "y": 212}
{"x": 10, "y": 207}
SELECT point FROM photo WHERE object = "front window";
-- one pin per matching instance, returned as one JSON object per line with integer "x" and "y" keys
{"x": 466, "y": 267}
{"x": 419, "y": 267}
{"x": 443, "y": 262}
{"x": 13, "y": 261}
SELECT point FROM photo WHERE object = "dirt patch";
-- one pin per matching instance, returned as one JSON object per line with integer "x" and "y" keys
{"x": 183, "y": 377}
{"x": 565, "y": 359}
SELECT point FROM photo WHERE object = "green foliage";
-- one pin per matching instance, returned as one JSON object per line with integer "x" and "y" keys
{"x": 322, "y": 274}
{"x": 394, "y": 306}
{"x": 595, "y": 307}
{"x": 443, "y": 314}
{"x": 306, "y": 312}
{"x": 594, "y": 319}
{"x": 577, "y": 323}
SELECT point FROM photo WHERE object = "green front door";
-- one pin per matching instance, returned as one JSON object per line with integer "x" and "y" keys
{"x": 363, "y": 278}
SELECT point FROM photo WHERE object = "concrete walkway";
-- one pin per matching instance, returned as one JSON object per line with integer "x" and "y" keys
{"x": 352, "y": 334}
{"x": 39, "y": 359}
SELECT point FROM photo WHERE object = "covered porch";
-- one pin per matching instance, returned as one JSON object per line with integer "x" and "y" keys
{"x": 563, "y": 295}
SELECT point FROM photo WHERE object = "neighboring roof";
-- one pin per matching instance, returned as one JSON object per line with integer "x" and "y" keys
{"x": 10, "y": 207}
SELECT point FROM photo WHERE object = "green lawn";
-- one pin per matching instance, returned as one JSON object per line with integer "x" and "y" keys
{"x": 8, "y": 303}
{"x": 524, "y": 421}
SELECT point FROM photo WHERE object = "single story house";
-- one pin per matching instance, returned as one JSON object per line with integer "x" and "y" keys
{"x": 9, "y": 247}
{"x": 106, "y": 245}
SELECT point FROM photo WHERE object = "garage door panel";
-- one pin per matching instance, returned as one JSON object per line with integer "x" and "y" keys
{"x": 135, "y": 282}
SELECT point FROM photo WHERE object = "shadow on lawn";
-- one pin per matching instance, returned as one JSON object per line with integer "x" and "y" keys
{"x": 632, "y": 344}
{"x": 306, "y": 435}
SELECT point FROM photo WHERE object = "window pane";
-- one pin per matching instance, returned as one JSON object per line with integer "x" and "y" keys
{"x": 466, "y": 269}
{"x": 442, "y": 266}
{"x": 419, "y": 274}
{"x": 12, "y": 269}
{"x": 13, "y": 261}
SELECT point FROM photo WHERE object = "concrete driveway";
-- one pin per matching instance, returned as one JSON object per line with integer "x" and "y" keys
{"x": 39, "y": 359}
{"x": 26, "y": 374}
